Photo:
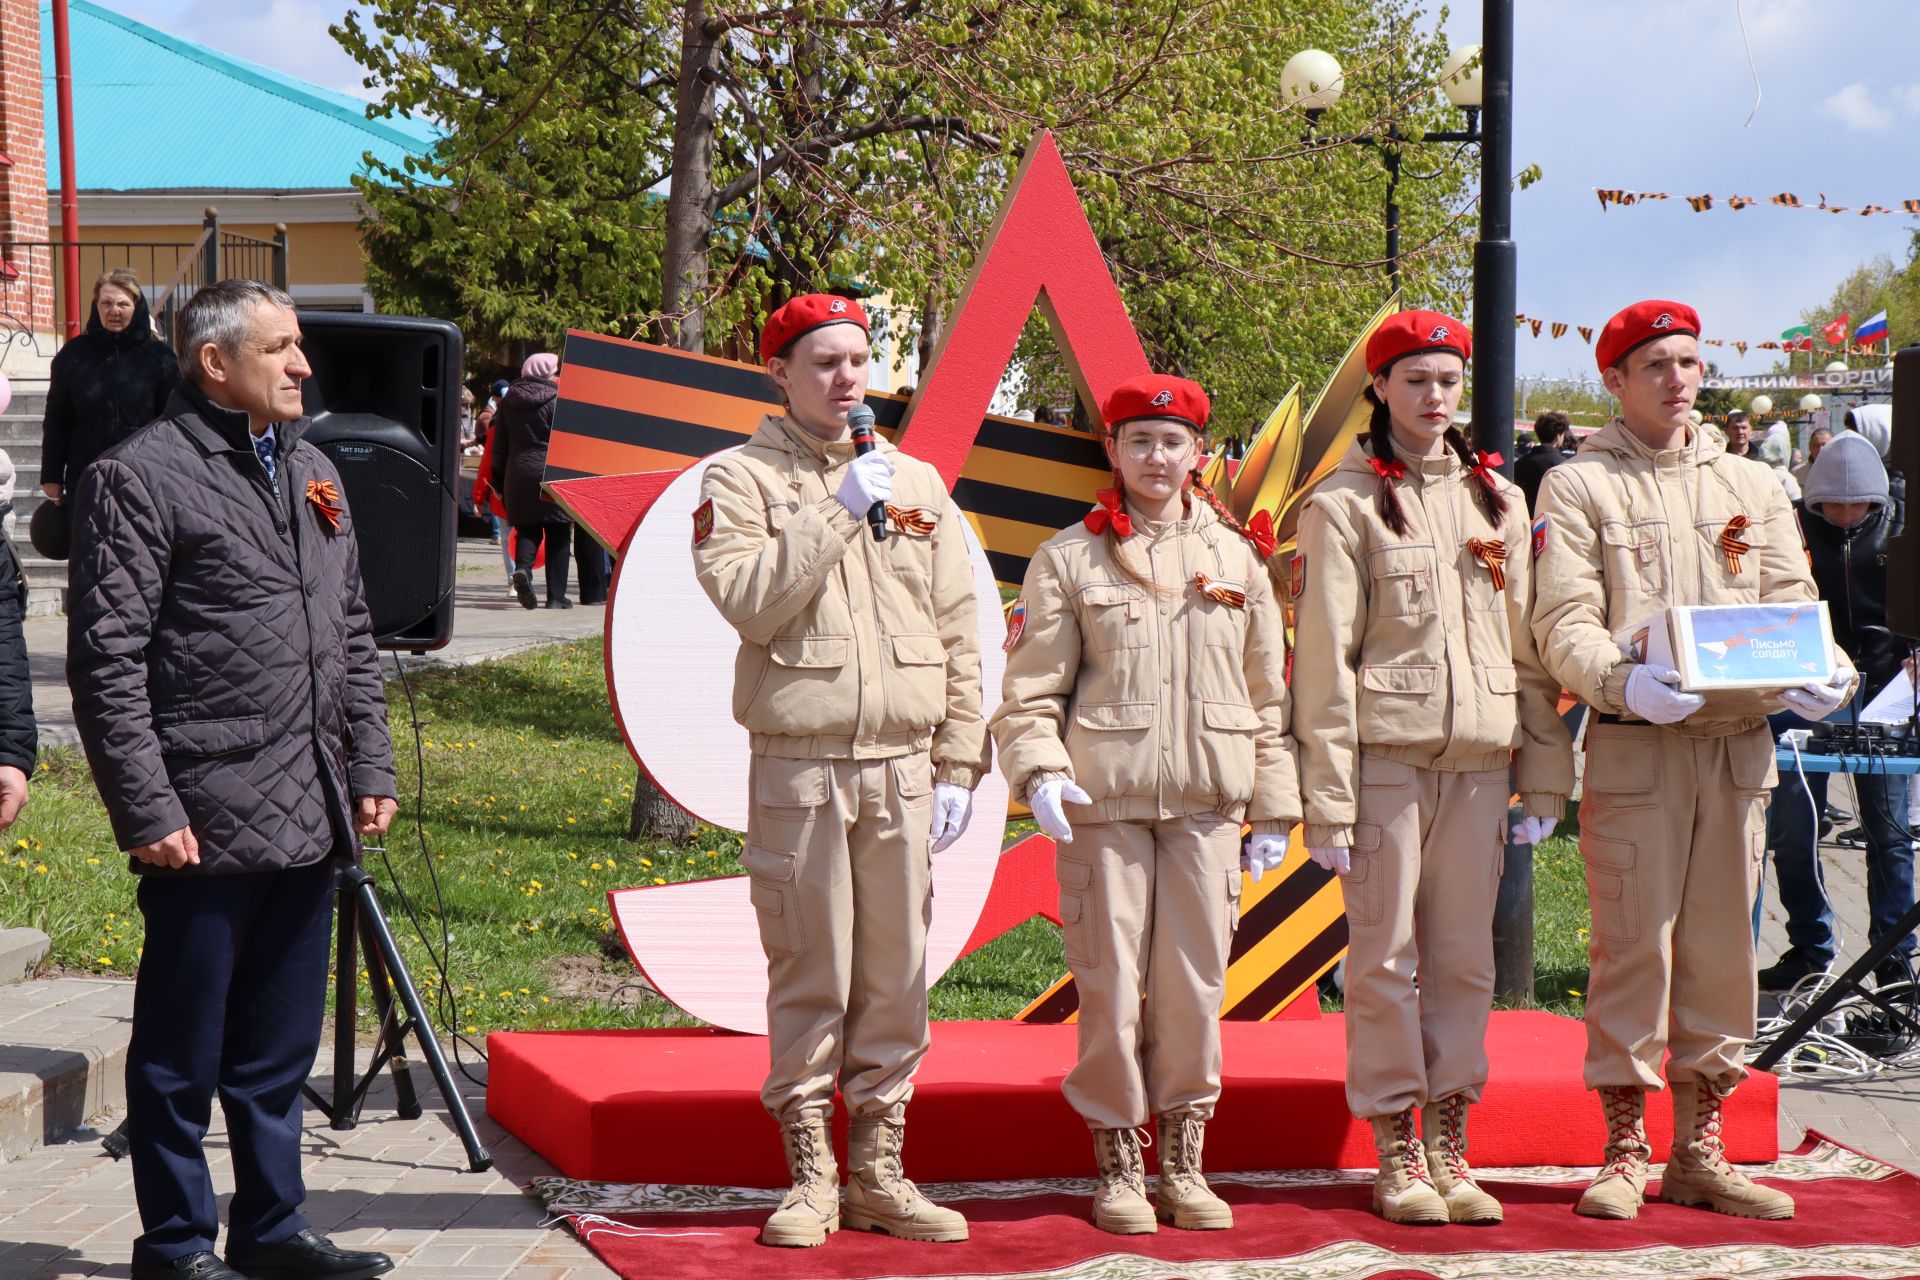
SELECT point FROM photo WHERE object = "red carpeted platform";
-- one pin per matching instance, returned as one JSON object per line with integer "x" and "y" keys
{"x": 683, "y": 1106}
{"x": 1855, "y": 1217}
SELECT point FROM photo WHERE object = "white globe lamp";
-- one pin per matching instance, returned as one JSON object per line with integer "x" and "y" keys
{"x": 1311, "y": 79}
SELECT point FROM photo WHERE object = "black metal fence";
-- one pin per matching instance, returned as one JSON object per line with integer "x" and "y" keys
{"x": 33, "y": 279}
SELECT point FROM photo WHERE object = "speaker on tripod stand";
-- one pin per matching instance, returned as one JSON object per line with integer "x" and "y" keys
{"x": 385, "y": 403}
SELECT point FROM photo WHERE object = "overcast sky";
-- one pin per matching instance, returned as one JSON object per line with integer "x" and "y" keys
{"x": 1608, "y": 93}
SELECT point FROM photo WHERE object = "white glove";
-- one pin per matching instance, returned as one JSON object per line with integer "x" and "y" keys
{"x": 1334, "y": 858}
{"x": 1531, "y": 831}
{"x": 952, "y": 811}
{"x": 1816, "y": 700}
{"x": 869, "y": 479}
{"x": 1263, "y": 854}
{"x": 1048, "y": 810}
{"x": 1653, "y": 695}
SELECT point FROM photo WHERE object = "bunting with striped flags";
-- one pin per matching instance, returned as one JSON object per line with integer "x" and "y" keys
{"x": 1612, "y": 196}
{"x": 1799, "y": 338}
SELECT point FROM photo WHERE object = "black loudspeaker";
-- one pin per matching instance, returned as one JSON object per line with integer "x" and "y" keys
{"x": 385, "y": 402}
{"x": 1903, "y": 552}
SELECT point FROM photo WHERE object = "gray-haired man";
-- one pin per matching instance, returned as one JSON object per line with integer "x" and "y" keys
{"x": 227, "y": 691}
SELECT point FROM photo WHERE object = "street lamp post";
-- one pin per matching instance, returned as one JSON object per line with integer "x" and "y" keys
{"x": 1312, "y": 79}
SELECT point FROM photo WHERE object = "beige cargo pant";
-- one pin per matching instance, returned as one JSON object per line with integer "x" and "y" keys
{"x": 1672, "y": 830}
{"x": 1427, "y": 849}
{"x": 1148, "y": 910}
{"x": 837, "y": 853}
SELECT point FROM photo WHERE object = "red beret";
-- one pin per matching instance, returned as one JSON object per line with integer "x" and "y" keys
{"x": 1412, "y": 333}
{"x": 1158, "y": 395}
{"x": 803, "y": 315}
{"x": 1640, "y": 324}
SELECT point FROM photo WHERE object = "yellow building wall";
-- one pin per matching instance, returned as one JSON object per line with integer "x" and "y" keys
{"x": 317, "y": 252}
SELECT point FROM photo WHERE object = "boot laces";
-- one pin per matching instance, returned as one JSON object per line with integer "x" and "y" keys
{"x": 1124, "y": 1164}
{"x": 1712, "y": 1146}
{"x": 1412, "y": 1157}
{"x": 1453, "y": 1137}
{"x": 1627, "y": 1146}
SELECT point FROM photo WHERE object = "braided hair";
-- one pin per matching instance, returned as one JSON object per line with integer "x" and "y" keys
{"x": 1201, "y": 487}
{"x": 1380, "y": 439}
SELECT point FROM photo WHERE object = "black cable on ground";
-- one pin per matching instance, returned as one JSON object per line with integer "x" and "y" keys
{"x": 446, "y": 1002}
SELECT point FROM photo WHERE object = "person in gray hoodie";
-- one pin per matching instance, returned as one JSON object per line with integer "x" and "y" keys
{"x": 1845, "y": 516}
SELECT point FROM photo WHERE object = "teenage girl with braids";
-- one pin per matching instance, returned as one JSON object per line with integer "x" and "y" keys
{"x": 1415, "y": 682}
{"x": 1145, "y": 718}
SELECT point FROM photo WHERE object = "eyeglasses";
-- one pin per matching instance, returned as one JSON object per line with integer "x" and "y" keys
{"x": 1172, "y": 449}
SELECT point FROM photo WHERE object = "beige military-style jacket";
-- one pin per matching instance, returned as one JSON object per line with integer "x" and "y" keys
{"x": 1159, "y": 705}
{"x": 1409, "y": 648}
{"x": 849, "y": 648}
{"x": 1629, "y": 531}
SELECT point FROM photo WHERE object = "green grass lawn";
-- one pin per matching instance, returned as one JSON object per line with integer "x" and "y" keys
{"x": 529, "y": 788}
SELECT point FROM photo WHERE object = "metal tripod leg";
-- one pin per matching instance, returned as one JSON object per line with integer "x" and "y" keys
{"x": 349, "y": 1091}
{"x": 381, "y": 937}
{"x": 1840, "y": 988}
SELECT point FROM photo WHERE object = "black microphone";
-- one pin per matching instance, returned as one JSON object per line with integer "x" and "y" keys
{"x": 860, "y": 422}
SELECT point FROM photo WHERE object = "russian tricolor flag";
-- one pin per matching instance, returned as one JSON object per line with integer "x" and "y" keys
{"x": 1873, "y": 330}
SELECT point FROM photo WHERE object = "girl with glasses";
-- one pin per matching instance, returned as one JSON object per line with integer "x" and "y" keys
{"x": 1145, "y": 717}
{"x": 1416, "y": 681}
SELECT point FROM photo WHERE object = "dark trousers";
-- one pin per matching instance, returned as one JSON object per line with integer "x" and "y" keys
{"x": 1791, "y": 828}
{"x": 590, "y": 559}
{"x": 526, "y": 545}
{"x": 231, "y": 990}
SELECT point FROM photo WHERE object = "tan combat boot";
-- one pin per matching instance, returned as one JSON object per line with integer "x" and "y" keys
{"x": 1621, "y": 1185}
{"x": 1120, "y": 1203}
{"x": 879, "y": 1196}
{"x": 810, "y": 1210}
{"x": 1403, "y": 1189}
{"x": 1443, "y": 1130}
{"x": 1183, "y": 1198}
{"x": 1698, "y": 1172}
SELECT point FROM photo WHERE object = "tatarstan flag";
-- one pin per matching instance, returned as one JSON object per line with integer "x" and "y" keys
{"x": 1798, "y": 338}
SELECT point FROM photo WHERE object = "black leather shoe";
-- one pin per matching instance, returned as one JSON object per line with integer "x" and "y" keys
{"x": 309, "y": 1254}
{"x": 195, "y": 1266}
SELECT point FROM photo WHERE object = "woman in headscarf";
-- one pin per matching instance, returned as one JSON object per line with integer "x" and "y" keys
{"x": 524, "y": 423}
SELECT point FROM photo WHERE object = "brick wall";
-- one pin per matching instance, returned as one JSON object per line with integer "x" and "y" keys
{"x": 28, "y": 301}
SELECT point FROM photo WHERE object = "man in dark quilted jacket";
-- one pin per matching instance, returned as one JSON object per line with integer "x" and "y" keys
{"x": 227, "y": 690}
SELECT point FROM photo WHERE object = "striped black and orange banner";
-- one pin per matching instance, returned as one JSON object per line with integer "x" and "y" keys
{"x": 1293, "y": 929}
{"x": 629, "y": 407}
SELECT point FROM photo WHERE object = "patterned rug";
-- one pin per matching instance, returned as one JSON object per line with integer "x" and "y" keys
{"x": 1856, "y": 1217}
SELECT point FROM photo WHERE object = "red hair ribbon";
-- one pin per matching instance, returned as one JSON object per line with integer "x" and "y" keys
{"x": 1484, "y": 462}
{"x": 1395, "y": 470}
{"x": 1109, "y": 513}
{"x": 1732, "y": 545}
{"x": 326, "y": 500}
{"x": 1493, "y": 555}
{"x": 1260, "y": 533}
{"x": 908, "y": 520}
{"x": 1220, "y": 592}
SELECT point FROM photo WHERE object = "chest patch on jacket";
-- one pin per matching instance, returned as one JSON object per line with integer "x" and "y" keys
{"x": 702, "y": 522}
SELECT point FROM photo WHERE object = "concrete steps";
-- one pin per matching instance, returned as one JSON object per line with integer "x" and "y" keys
{"x": 63, "y": 1057}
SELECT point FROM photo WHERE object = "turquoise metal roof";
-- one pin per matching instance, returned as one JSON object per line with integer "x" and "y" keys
{"x": 153, "y": 112}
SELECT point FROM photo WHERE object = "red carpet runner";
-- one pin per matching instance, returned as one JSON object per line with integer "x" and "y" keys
{"x": 1856, "y": 1218}
{"x": 683, "y": 1107}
